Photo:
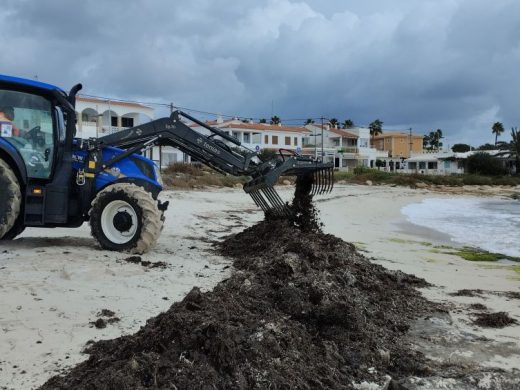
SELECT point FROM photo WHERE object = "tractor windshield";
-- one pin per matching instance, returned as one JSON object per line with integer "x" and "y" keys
{"x": 26, "y": 123}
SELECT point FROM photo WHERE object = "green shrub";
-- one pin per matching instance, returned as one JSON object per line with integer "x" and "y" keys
{"x": 476, "y": 180}
{"x": 485, "y": 164}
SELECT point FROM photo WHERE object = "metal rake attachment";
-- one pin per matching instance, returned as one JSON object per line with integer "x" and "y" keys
{"x": 317, "y": 176}
{"x": 323, "y": 181}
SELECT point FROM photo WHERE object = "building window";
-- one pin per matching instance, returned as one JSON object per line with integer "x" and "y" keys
{"x": 275, "y": 139}
{"x": 236, "y": 134}
{"x": 113, "y": 121}
{"x": 247, "y": 138}
{"x": 432, "y": 165}
{"x": 127, "y": 122}
{"x": 295, "y": 141}
{"x": 287, "y": 141}
{"x": 422, "y": 164}
{"x": 266, "y": 139}
{"x": 363, "y": 142}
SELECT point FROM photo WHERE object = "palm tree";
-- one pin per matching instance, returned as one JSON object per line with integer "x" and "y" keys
{"x": 426, "y": 141}
{"x": 309, "y": 121}
{"x": 275, "y": 120}
{"x": 348, "y": 124}
{"x": 497, "y": 129}
{"x": 512, "y": 148}
{"x": 376, "y": 128}
{"x": 438, "y": 136}
{"x": 263, "y": 120}
{"x": 333, "y": 122}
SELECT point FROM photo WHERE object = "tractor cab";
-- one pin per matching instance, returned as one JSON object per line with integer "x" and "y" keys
{"x": 27, "y": 123}
{"x": 36, "y": 141}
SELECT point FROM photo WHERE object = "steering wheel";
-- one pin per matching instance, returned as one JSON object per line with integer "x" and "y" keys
{"x": 35, "y": 136}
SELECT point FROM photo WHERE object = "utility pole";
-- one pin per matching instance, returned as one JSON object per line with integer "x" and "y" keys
{"x": 322, "y": 153}
{"x": 411, "y": 144}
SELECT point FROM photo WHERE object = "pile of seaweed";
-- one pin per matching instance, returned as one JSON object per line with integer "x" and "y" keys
{"x": 302, "y": 310}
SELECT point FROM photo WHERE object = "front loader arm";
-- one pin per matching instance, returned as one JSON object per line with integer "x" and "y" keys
{"x": 171, "y": 131}
{"x": 208, "y": 149}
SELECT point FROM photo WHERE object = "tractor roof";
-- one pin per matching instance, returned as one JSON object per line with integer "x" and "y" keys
{"x": 29, "y": 83}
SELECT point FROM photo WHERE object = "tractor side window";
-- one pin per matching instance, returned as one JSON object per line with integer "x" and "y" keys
{"x": 60, "y": 123}
{"x": 26, "y": 122}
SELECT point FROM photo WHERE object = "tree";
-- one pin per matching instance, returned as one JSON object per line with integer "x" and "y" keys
{"x": 460, "y": 148}
{"x": 348, "y": 124}
{"x": 275, "y": 120}
{"x": 497, "y": 129}
{"x": 512, "y": 148}
{"x": 432, "y": 140}
{"x": 487, "y": 147}
{"x": 333, "y": 122}
{"x": 482, "y": 163}
{"x": 376, "y": 128}
{"x": 309, "y": 121}
{"x": 268, "y": 154}
{"x": 263, "y": 120}
{"x": 426, "y": 141}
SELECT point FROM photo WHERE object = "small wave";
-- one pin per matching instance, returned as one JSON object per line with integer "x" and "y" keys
{"x": 492, "y": 225}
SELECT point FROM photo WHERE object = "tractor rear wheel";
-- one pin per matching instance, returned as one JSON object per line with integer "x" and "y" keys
{"x": 10, "y": 201}
{"x": 125, "y": 217}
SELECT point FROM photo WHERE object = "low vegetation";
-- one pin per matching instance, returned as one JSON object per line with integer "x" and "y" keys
{"x": 361, "y": 175}
{"x": 191, "y": 176}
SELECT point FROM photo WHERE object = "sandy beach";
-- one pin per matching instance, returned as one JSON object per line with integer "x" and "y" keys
{"x": 53, "y": 283}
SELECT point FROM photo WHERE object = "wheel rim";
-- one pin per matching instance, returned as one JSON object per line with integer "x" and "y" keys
{"x": 119, "y": 222}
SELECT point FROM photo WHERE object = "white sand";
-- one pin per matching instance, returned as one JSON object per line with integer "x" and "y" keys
{"x": 54, "y": 281}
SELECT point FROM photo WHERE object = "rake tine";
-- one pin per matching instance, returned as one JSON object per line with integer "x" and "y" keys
{"x": 282, "y": 206}
{"x": 320, "y": 181}
{"x": 254, "y": 195}
{"x": 275, "y": 199}
{"x": 331, "y": 179}
{"x": 272, "y": 202}
{"x": 263, "y": 204}
{"x": 261, "y": 200}
{"x": 314, "y": 183}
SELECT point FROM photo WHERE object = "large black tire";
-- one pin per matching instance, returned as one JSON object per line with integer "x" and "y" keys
{"x": 126, "y": 218}
{"x": 10, "y": 201}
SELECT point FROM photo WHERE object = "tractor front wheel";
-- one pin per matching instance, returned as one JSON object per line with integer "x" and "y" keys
{"x": 125, "y": 218}
{"x": 10, "y": 201}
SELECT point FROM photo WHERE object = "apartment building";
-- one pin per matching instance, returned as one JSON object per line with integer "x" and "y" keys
{"x": 398, "y": 144}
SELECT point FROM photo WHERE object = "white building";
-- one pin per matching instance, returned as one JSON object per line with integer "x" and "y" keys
{"x": 447, "y": 162}
{"x": 258, "y": 136}
{"x": 348, "y": 148}
{"x": 98, "y": 117}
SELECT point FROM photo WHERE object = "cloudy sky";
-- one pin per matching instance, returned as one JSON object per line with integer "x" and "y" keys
{"x": 449, "y": 64}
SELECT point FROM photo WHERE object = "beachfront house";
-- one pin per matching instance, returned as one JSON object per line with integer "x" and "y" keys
{"x": 449, "y": 163}
{"x": 348, "y": 148}
{"x": 98, "y": 117}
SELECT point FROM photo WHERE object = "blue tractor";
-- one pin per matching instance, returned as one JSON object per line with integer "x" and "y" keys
{"x": 49, "y": 178}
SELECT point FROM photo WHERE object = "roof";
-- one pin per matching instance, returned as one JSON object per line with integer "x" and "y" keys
{"x": 397, "y": 134}
{"x": 343, "y": 133}
{"x": 266, "y": 127}
{"x": 81, "y": 98}
{"x": 28, "y": 82}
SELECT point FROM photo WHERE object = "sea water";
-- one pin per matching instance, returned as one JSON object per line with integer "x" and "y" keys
{"x": 489, "y": 224}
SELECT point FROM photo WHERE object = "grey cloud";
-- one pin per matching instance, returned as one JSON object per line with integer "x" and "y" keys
{"x": 423, "y": 64}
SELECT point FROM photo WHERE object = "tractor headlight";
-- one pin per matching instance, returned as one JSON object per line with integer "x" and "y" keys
{"x": 158, "y": 176}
